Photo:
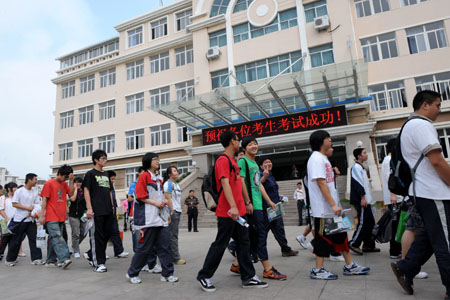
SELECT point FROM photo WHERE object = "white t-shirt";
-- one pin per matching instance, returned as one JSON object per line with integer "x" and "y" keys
{"x": 320, "y": 167}
{"x": 6, "y": 205}
{"x": 298, "y": 194}
{"x": 27, "y": 198}
{"x": 420, "y": 137}
{"x": 360, "y": 175}
{"x": 385, "y": 172}
{"x": 174, "y": 189}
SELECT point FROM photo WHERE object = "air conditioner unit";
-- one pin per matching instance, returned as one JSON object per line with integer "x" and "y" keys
{"x": 212, "y": 53}
{"x": 321, "y": 23}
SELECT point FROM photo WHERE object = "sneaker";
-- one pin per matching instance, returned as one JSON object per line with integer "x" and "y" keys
{"x": 274, "y": 274}
{"x": 100, "y": 269}
{"x": 339, "y": 258}
{"x": 51, "y": 265}
{"x": 356, "y": 269}
{"x": 395, "y": 256}
{"x": 66, "y": 264}
{"x": 38, "y": 262}
{"x": 323, "y": 274}
{"x": 421, "y": 275}
{"x": 235, "y": 269}
{"x": 207, "y": 285}
{"x": 355, "y": 250}
{"x": 254, "y": 283}
{"x": 180, "y": 262}
{"x": 22, "y": 254}
{"x": 404, "y": 282}
{"x": 76, "y": 255}
{"x": 368, "y": 250}
{"x": 289, "y": 253}
{"x": 155, "y": 270}
{"x": 122, "y": 255}
{"x": 86, "y": 255}
{"x": 310, "y": 247}
{"x": 145, "y": 269}
{"x": 171, "y": 278}
{"x": 301, "y": 239}
{"x": 10, "y": 263}
{"x": 134, "y": 280}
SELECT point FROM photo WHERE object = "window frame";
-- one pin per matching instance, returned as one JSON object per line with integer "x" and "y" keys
{"x": 87, "y": 84}
{"x": 187, "y": 90}
{"x": 160, "y": 135}
{"x": 68, "y": 89}
{"x": 184, "y": 55}
{"x": 153, "y": 29}
{"x": 400, "y": 93}
{"x": 159, "y": 94}
{"x": 135, "y": 139}
{"x": 108, "y": 77}
{"x": 86, "y": 115}
{"x": 321, "y": 52}
{"x": 107, "y": 110}
{"x": 371, "y": 7}
{"x": 85, "y": 147}
{"x": 140, "y": 39}
{"x": 107, "y": 143}
{"x": 158, "y": 61}
{"x": 378, "y": 44}
{"x": 442, "y": 86}
{"x": 135, "y": 69}
{"x": 314, "y": 6}
{"x": 135, "y": 103}
{"x": 219, "y": 35}
{"x": 66, "y": 119}
{"x": 185, "y": 16}
{"x": 426, "y": 38}
{"x": 65, "y": 151}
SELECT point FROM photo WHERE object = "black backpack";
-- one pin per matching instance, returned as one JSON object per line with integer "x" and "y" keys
{"x": 401, "y": 173}
{"x": 210, "y": 194}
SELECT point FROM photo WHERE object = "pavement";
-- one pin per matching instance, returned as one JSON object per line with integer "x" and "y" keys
{"x": 26, "y": 281}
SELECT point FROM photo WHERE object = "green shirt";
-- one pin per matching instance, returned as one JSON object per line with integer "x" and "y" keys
{"x": 255, "y": 180}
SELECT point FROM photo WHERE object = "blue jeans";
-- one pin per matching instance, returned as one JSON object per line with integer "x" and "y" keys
{"x": 57, "y": 247}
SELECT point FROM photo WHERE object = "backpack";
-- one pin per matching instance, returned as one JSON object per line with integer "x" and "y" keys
{"x": 210, "y": 194}
{"x": 402, "y": 175}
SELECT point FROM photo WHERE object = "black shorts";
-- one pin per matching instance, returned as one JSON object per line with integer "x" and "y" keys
{"x": 415, "y": 221}
{"x": 325, "y": 244}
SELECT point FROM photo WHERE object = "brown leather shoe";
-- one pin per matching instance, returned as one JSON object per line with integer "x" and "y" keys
{"x": 374, "y": 249}
{"x": 289, "y": 253}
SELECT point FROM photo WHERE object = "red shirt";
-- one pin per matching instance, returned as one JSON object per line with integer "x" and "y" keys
{"x": 56, "y": 194}
{"x": 222, "y": 170}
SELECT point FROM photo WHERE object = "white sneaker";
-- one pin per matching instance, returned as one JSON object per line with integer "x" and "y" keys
{"x": 145, "y": 269}
{"x": 356, "y": 269}
{"x": 156, "y": 269}
{"x": 301, "y": 239}
{"x": 76, "y": 255}
{"x": 337, "y": 258}
{"x": 310, "y": 247}
{"x": 421, "y": 275}
{"x": 38, "y": 262}
{"x": 66, "y": 264}
{"x": 134, "y": 280}
{"x": 22, "y": 254}
{"x": 171, "y": 278}
{"x": 322, "y": 274}
{"x": 122, "y": 255}
{"x": 100, "y": 269}
{"x": 10, "y": 263}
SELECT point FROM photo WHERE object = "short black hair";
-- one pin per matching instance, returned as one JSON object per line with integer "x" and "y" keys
{"x": 147, "y": 160}
{"x": 65, "y": 170}
{"x": 390, "y": 146}
{"x": 299, "y": 183}
{"x": 78, "y": 179}
{"x": 357, "y": 152}
{"x": 316, "y": 139}
{"x": 29, "y": 176}
{"x": 191, "y": 191}
{"x": 111, "y": 173}
{"x": 262, "y": 159}
{"x": 97, "y": 154}
{"x": 1, "y": 187}
{"x": 10, "y": 186}
{"x": 247, "y": 140}
{"x": 226, "y": 137}
{"x": 140, "y": 169}
{"x": 424, "y": 96}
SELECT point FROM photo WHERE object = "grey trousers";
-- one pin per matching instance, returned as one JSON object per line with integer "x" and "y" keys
{"x": 78, "y": 228}
{"x": 173, "y": 235}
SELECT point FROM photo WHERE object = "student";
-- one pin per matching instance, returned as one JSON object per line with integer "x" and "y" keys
{"x": 298, "y": 196}
{"x": 6, "y": 214}
{"x": 229, "y": 208}
{"x": 191, "y": 208}
{"x": 53, "y": 215}
{"x": 25, "y": 200}
{"x": 99, "y": 203}
{"x": 131, "y": 200}
{"x": 324, "y": 203}
{"x": 430, "y": 192}
{"x": 361, "y": 199}
{"x": 173, "y": 194}
{"x": 76, "y": 211}
{"x": 150, "y": 201}
{"x": 115, "y": 233}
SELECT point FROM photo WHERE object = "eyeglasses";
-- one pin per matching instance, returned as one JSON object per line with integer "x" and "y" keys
{"x": 236, "y": 139}
{"x": 103, "y": 158}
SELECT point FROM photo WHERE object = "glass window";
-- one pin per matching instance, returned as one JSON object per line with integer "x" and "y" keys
{"x": 134, "y": 139}
{"x": 68, "y": 89}
{"x": 135, "y": 103}
{"x": 159, "y": 28}
{"x": 184, "y": 55}
{"x": 219, "y": 78}
{"x": 159, "y": 62}
{"x": 160, "y": 97}
{"x": 240, "y": 32}
{"x": 321, "y": 55}
{"x": 366, "y": 8}
{"x": 87, "y": 84}
{"x": 86, "y": 114}
{"x": 218, "y": 38}
{"x": 379, "y": 47}
{"x": 135, "y": 69}
{"x": 185, "y": 90}
{"x": 444, "y": 139}
{"x": 65, "y": 151}
{"x": 107, "y": 110}
{"x": 241, "y": 5}
{"x": 107, "y": 143}
{"x": 315, "y": 9}
{"x": 183, "y": 166}
{"x": 108, "y": 78}
{"x": 160, "y": 135}
{"x": 438, "y": 82}
{"x": 134, "y": 37}
{"x": 411, "y": 2}
{"x": 182, "y": 135}
{"x": 183, "y": 19}
{"x": 66, "y": 119}
{"x": 426, "y": 37}
{"x": 131, "y": 175}
{"x": 219, "y": 7}
{"x": 388, "y": 96}
{"x": 85, "y": 148}
{"x": 380, "y": 143}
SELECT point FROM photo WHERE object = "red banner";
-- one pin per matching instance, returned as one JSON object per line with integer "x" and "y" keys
{"x": 311, "y": 120}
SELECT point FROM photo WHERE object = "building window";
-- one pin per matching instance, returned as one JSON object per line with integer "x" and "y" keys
{"x": 388, "y": 96}
{"x": 135, "y": 69}
{"x": 365, "y": 8}
{"x": 444, "y": 139}
{"x": 185, "y": 90}
{"x": 438, "y": 82}
{"x": 160, "y": 135}
{"x": 426, "y": 37}
{"x": 134, "y": 139}
{"x": 86, "y": 114}
{"x": 380, "y": 144}
{"x": 183, "y": 19}
{"x": 219, "y": 7}
{"x": 273, "y": 66}
{"x": 219, "y": 78}
{"x": 160, "y": 97}
{"x": 159, "y": 28}
{"x": 163, "y": 168}
{"x": 90, "y": 54}
{"x": 107, "y": 143}
{"x": 85, "y": 148}
{"x": 411, "y": 2}
{"x": 218, "y": 38}
{"x": 241, "y": 5}
{"x": 65, "y": 151}
{"x": 135, "y": 103}
{"x": 379, "y": 47}
{"x": 322, "y": 55}
{"x": 68, "y": 89}
{"x": 184, "y": 55}
{"x": 183, "y": 166}
{"x": 159, "y": 62}
{"x": 87, "y": 83}
{"x": 315, "y": 9}
{"x": 240, "y": 32}
{"x": 107, "y": 110}
{"x": 108, "y": 78}
{"x": 182, "y": 135}
{"x": 135, "y": 37}
{"x": 66, "y": 119}
{"x": 131, "y": 175}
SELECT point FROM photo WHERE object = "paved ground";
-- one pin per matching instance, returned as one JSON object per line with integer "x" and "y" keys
{"x": 26, "y": 281}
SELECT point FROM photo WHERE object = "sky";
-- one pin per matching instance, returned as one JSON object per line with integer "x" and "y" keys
{"x": 33, "y": 34}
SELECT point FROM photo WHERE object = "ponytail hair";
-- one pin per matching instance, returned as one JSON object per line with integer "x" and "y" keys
{"x": 168, "y": 172}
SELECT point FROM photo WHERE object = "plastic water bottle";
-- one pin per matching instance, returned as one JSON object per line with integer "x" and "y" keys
{"x": 240, "y": 220}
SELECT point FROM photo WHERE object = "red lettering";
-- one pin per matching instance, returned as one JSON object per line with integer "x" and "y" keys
{"x": 284, "y": 123}
{"x": 258, "y": 128}
{"x": 327, "y": 118}
{"x": 244, "y": 131}
{"x": 298, "y": 122}
{"x": 270, "y": 126}
{"x": 312, "y": 121}
{"x": 211, "y": 136}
